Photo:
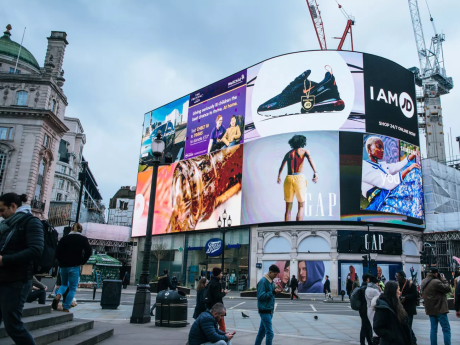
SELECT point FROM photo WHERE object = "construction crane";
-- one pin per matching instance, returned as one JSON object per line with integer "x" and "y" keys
{"x": 432, "y": 78}
{"x": 319, "y": 26}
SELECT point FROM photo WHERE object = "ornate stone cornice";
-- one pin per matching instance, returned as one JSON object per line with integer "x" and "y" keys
{"x": 32, "y": 113}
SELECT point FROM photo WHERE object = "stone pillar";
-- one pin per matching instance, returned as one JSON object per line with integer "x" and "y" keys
{"x": 55, "y": 51}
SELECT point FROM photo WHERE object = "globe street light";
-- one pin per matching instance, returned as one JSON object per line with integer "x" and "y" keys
{"x": 219, "y": 225}
{"x": 141, "y": 308}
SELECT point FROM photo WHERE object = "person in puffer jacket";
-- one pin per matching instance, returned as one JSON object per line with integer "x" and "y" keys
{"x": 372, "y": 291}
{"x": 390, "y": 319}
{"x": 205, "y": 329}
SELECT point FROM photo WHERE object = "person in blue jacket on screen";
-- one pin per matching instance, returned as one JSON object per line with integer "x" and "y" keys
{"x": 311, "y": 274}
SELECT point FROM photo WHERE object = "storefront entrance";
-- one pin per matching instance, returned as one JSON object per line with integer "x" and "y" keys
{"x": 236, "y": 258}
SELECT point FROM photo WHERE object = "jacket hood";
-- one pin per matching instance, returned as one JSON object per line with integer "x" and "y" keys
{"x": 372, "y": 286}
{"x": 315, "y": 273}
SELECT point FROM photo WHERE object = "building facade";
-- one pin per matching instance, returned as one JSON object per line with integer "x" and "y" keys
{"x": 121, "y": 207}
{"x": 32, "y": 111}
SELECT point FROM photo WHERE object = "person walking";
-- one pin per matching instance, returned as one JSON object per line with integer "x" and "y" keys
{"x": 390, "y": 319}
{"x": 372, "y": 291}
{"x": 174, "y": 282}
{"x": 408, "y": 299}
{"x": 327, "y": 289}
{"x": 126, "y": 280}
{"x": 163, "y": 284}
{"x": 200, "y": 295}
{"x": 73, "y": 251}
{"x": 205, "y": 331}
{"x": 294, "y": 286}
{"x": 366, "y": 328}
{"x": 21, "y": 242}
{"x": 457, "y": 300}
{"x": 38, "y": 292}
{"x": 266, "y": 292}
{"x": 216, "y": 293}
{"x": 434, "y": 288}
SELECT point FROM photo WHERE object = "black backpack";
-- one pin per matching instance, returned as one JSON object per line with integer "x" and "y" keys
{"x": 46, "y": 262}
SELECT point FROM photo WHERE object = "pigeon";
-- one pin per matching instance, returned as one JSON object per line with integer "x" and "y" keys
{"x": 316, "y": 317}
{"x": 244, "y": 315}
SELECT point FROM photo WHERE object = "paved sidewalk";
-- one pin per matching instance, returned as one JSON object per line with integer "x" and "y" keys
{"x": 288, "y": 327}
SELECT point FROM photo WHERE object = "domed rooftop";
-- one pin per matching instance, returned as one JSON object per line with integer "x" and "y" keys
{"x": 11, "y": 48}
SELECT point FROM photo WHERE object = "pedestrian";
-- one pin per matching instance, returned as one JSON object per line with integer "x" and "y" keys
{"x": 163, "y": 284}
{"x": 457, "y": 300}
{"x": 73, "y": 251}
{"x": 38, "y": 291}
{"x": 294, "y": 286}
{"x": 366, "y": 328}
{"x": 216, "y": 293}
{"x": 351, "y": 277}
{"x": 434, "y": 288}
{"x": 327, "y": 289}
{"x": 21, "y": 242}
{"x": 200, "y": 295}
{"x": 174, "y": 282}
{"x": 408, "y": 299}
{"x": 372, "y": 291}
{"x": 205, "y": 331}
{"x": 390, "y": 319}
{"x": 266, "y": 292}
{"x": 126, "y": 280}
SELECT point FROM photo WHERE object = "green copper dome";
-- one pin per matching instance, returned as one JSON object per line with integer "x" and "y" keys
{"x": 11, "y": 48}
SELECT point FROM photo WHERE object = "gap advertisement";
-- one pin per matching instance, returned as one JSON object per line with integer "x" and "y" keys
{"x": 291, "y": 177}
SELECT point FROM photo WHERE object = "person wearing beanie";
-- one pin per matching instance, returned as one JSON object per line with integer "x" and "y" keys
{"x": 408, "y": 299}
{"x": 163, "y": 284}
{"x": 216, "y": 293}
{"x": 434, "y": 288}
{"x": 266, "y": 292}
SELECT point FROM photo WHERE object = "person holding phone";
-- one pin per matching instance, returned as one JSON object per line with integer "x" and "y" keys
{"x": 434, "y": 289}
{"x": 266, "y": 292}
{"x": 205, "y": 330}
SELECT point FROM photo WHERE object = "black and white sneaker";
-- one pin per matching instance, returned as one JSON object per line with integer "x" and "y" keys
{"x": 305, "y": 96}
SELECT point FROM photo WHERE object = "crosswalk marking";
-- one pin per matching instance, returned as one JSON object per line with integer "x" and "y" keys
{"x": 312, "y": 307}
{"x": 276, "y": 304}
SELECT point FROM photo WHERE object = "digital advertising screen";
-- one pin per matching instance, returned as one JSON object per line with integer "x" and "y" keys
{"x": 307, "y": 136}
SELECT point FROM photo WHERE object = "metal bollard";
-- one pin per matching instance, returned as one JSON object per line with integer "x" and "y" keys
{"x": 94, "y": 292}
{"x": 343, "y": 294}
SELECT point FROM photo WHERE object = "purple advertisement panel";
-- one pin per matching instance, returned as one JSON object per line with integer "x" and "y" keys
{"x": 216, "y": 116}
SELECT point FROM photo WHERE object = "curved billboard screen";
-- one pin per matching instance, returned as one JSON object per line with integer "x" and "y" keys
{"x": 308, "y": 136}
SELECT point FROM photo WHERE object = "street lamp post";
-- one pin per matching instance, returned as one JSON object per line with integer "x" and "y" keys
{"x": 219, "y": 224}
{"x": 141, "y": 307}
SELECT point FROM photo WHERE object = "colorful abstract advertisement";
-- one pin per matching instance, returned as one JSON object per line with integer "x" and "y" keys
{"x": 216, "y": 116}
{"x": 192, "y": 194}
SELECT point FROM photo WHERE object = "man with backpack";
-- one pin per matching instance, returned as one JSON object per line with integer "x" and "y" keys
{"x": 358, "y": 302}
{"x": 21, "y": 244}
{"x": 73, "y": 251}
{"x": 409, "y": 297}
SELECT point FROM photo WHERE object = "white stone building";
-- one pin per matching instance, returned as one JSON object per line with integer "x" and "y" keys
{"x": 32, "y": 111}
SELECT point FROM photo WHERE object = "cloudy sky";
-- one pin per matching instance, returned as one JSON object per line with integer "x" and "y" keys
{"x": 125, "y": 58}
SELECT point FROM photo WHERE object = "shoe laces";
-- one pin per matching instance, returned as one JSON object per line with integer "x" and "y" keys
{"x": 295, "y": 80}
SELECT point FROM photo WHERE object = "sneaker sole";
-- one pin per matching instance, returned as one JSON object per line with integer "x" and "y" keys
{"x": 289, "y": 110}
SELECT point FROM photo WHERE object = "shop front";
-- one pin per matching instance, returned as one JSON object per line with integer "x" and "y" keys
{"x": 204, "y": 250}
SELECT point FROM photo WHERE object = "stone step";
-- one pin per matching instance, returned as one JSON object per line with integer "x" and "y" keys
{"x": 32, "y": 309}
{"x": 100, "y": 332}
{"x": 40, "y": 321}
{"x": 55, "y": 333}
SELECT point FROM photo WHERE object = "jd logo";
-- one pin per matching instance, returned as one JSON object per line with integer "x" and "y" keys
{"x": 405, "y": 101}
{"x": 308, "y": 102}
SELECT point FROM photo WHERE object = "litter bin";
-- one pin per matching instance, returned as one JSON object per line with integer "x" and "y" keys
{"x": 111, "y": 294}
{"x": 171, "y": 309}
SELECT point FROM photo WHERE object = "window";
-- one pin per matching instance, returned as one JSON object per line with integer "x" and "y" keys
{"x": 46, "y": 141}
{"x": 53, "y": 105}
{"x": 63, "y": 169}
{"x": 65, "y": 198}
{"x": 6, "y": 133}
{"x": 60, "y": 183}
{"x": 58, "y": 197}
{"x": 67, "y": 187}
{"x": 21, "y": 98}
{"x": 12, "y": 70}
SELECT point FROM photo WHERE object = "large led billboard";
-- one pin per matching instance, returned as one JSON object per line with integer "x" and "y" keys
{"x": 308, "y": 136}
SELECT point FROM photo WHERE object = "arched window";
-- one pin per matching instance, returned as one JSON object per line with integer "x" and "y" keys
{"x": 277, "y": 245}
{"x": 410, "y": 248}
{"x": 21, "y": 98}
{"x": 314, "y": 244}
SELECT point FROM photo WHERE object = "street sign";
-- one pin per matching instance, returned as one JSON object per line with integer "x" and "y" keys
{"x": 259, "y": 265}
